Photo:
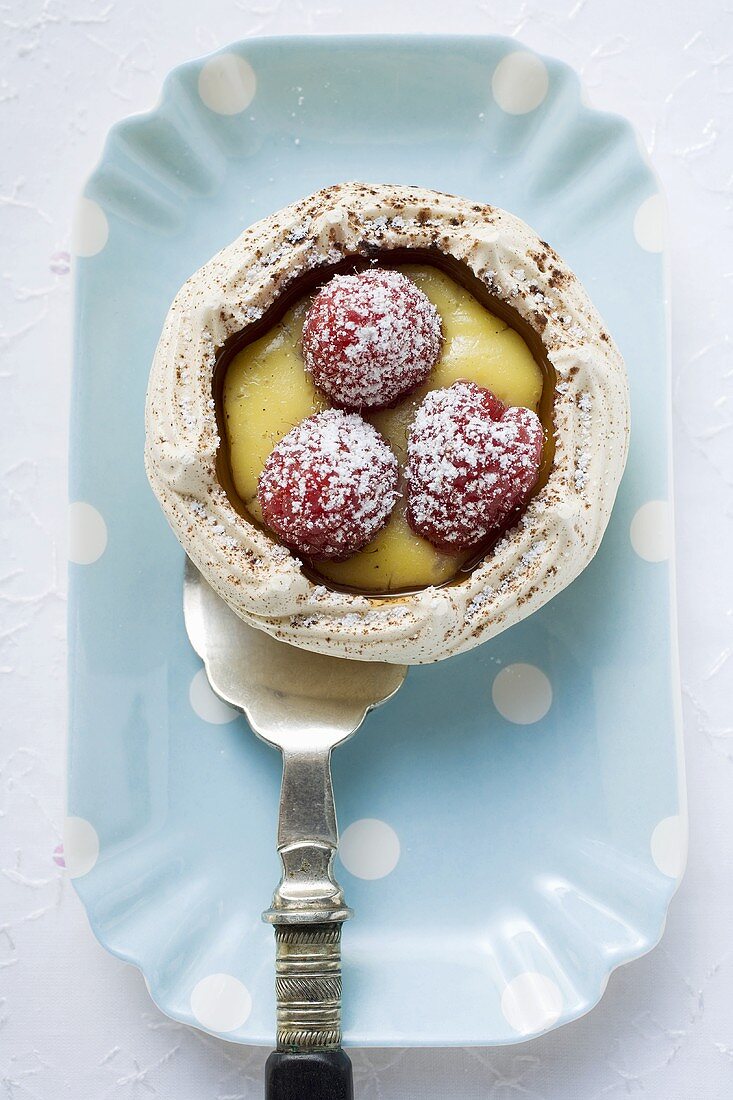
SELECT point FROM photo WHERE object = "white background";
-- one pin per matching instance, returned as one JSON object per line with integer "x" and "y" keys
{"x": 75, "y": 1022}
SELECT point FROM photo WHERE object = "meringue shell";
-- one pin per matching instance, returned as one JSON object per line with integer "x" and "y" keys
{"x": 264, "y": 583}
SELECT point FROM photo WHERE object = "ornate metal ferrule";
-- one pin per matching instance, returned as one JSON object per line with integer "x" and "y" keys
{"x": 308, "y": 986}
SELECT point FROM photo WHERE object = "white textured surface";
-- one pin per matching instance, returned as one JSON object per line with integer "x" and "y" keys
{"x": 75, "y": 1022}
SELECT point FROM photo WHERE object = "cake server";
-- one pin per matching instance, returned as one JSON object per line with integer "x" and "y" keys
{"x": 304, "y": 704}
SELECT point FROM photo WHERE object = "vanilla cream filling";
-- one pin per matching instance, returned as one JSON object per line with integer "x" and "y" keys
{"x": 557, "y": 535}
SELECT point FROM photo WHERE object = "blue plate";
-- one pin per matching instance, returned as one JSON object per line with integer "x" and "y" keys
{"x": 514, "y": 822}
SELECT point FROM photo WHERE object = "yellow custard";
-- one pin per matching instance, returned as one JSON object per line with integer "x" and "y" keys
{"x": 267, "y": 392}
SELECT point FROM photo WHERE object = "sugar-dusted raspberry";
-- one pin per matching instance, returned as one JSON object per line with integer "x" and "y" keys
{"x": 369, "y": 339}
{"x": 329, "y": 485}
{"x": 471, "y": 461}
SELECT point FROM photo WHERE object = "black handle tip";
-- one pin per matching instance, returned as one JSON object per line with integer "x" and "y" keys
{"x": 308, "y": 1075}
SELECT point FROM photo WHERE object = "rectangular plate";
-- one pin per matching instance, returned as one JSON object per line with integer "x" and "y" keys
{"x": 499, "y": 869}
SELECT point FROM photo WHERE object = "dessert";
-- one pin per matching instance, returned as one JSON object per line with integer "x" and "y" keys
{"x": 482, "y": 405}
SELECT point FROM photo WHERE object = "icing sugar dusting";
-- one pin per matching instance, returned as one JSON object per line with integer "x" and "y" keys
{"x": 584, "y": 454}
{"x": 329, "y": 485}
{"x": 471, "y": 460}
{"x": 370, "y": 338}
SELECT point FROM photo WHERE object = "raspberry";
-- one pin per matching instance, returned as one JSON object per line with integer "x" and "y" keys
{"x": 471, "y": 461}
{"x": 369, "y": 339}
{"x": 329, "y": 485}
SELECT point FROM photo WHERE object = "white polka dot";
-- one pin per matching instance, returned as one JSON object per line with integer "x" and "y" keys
{"x": 520, "y": 82}
{"x": 649, "y": 224}
{"x": 227, "y": 84}
{"x": 531, "y": 1002}
{"x": 221, "y": 1003}
{"x": 207, "y": 704}
{"x": 651, "y": 531}
{"x": 369, "y": 848}
{"x": 90, "y": 229}
{"x": 669, "y": 846}
{"x": 522, "y": 694}
{"x": 87, "y": 533}
{"x": 81, "y": 846}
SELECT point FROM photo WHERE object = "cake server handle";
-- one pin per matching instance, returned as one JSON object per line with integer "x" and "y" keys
{"x": 308, "y": 911}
